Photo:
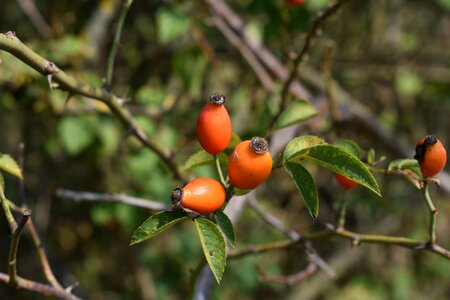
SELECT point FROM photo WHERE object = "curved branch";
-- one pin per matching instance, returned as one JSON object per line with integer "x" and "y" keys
{"x": 354, "y": 237}
{"x": 10, "y": 43}
{"x": 40, "y": 288}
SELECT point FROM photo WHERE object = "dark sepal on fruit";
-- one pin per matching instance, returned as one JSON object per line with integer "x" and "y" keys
{"x": 259, "y": 145}
{"x": 429, "y": 140}
{"x": 176, "y": 196}
{"x": 217, "y": 99}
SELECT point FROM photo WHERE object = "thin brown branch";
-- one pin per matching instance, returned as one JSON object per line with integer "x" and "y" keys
{"x": 103, "y": 197}
{"x": 354, "y": 237}
{"x": 292, "y": 235}
{"x": 313, "y": 31}
{"x": 248, "y": 55}
{"x": 293, "y": 278}
{"x": 43, "y": 289}
{"x": 12, "y": 258}
{"x": 48, "y": 272}
{"x": 10, "y": 43}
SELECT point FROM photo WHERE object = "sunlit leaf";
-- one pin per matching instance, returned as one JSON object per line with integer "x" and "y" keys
{"x": 156, "y": 224}
{"x": 9, "y": 165}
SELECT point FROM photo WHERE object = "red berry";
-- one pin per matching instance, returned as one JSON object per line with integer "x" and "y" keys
{"x": 345, "y": 182}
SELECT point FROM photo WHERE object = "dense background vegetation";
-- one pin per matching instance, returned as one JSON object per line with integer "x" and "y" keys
{"x": 391, "y": 57}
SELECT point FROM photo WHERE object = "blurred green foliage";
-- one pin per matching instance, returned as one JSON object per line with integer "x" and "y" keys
{"x": 390, "y": 55}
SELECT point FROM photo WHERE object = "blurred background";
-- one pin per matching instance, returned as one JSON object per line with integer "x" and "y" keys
{"x": 390, "y": 56}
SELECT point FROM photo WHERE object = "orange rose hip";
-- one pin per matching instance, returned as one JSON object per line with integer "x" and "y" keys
{"x": 202, "y": 195}
{"x": 345, "y": 182}
{"x": 214, "y": 125}
{"x": 250, "y": 163}
{"x": 431, "y": 155}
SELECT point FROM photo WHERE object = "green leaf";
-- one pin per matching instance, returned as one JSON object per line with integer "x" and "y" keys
{"x": 331, "y": 157}
{"x": 76, "y": 134}
{"x": 350, "y": 146}
{"x": 213, "y": 245}
{"x": 156, "y": 224}
{"x": 305, "y": 184}
{"x": 410, "y": 170}
{"x": 9, "y": 165}
{"x": 371, "y": 156}
{"x": 202, "y": 158}
{"x": 298, "y": 145}
{"x": 226, "y": 226}
{"x": 298, "y": 111}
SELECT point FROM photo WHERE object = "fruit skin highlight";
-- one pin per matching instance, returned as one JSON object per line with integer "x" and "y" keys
{"x": 431, "y": 155}
{"x": 345, "y": 182}
{"x": 214, "y": 125}
{"x": 202, "y": 195}
{"x": 250, "y": 163}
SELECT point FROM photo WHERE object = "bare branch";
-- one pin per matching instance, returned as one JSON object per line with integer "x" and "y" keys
{"x": 40, "y": 288}
{"x": 103, "y": 197}
{"x": 293, "y": 278}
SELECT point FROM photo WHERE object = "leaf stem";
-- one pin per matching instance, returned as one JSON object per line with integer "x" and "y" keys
{"x": 219, "y": 170}
{"x": 112, "y": 54}
{"x": 433, "y": 214}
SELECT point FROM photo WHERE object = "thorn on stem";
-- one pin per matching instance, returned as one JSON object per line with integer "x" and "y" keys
{"x": 11, "y": 34}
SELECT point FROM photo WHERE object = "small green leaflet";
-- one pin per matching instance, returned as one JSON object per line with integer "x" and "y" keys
{"x": 409, "y": 169}
{"x": 226, "y": 226}
{"x": 213, "y": 245}
{"x": 156, "y": 224}
{"x": 202, "y": 158}
{"x": 305, "y": 184}
{"x": 331, "y": 157}
{"x": 9, "y": 165}
{"x": 298, "y": 111}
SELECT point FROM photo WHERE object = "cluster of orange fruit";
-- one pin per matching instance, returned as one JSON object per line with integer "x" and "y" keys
{"x": 249, "y": 164}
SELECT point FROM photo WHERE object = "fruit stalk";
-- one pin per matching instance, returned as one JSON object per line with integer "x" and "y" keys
{"x": 219, "y": 170}
{"x": 433, "y": 214}
{"x": 343, "y": 211}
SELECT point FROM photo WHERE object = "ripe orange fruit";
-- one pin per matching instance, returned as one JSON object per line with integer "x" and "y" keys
{"x": 202, "y": 195}
{"x": 214, "y": 125}
{"x": 294, "y": 2}
{"x": 431, "y": 155}
{"x": 250, "y": 163}
{"x": 345, "y": 182}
